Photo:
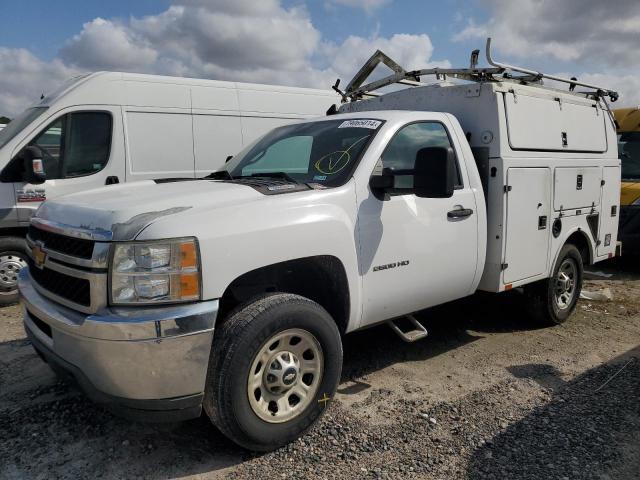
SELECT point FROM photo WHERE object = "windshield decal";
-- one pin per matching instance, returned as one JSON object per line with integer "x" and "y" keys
{"x": 334, "y": 162}
{"x": 371, "y": 124}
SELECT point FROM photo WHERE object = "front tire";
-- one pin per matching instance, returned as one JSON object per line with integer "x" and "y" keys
{"x": 553, "y": 300}
{"x": 13, "y": 257}
{"x": 274, "y": 365}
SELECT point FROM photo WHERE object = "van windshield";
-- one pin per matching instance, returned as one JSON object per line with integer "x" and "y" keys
{"x": 16, "y": 125}
{"x": 629, "y": 151}
{"x": 323, "y": 152}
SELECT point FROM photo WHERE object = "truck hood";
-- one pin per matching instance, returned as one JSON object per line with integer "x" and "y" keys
{"x": 121, "y": 212}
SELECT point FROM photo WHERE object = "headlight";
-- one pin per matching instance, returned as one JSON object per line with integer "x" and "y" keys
{"x": 155, "y": 272}
{"x": 636, "y": 201}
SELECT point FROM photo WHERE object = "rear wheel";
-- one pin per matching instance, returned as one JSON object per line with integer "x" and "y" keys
{"x": 13, "y": 257}
{"x": 274, "y": 365}
{"x": 554, "y": 299}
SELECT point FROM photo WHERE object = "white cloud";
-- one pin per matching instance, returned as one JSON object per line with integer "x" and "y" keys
{"x": 584, "y": 31}
{"x": 244, "y": 40}
{"x": 598, "y": 38}
{"x": 366, "y": 5}
{"x": 233, "y": 38}
{"x": 103, "y": 44}
{"x": 25, "y": 77}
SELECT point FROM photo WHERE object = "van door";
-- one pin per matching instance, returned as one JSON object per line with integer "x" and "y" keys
{"x": 160, "y": 144}
{"x": 159, "y": 130}
{"x": 217, "y": 130}
{"x": 82, "y": 148}
{"x": 412, "y": 254}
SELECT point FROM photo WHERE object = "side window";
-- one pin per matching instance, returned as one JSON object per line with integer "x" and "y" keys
{"x": 75, "y": 144}
{"x": 401, "y": 152}
{"x": 290, "y": 155}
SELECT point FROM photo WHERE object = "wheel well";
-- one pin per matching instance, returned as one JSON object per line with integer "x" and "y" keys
{"x": 322, "y": 279}
{"x": 581, "y": 242}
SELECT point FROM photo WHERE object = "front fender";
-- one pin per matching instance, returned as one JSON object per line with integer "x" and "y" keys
{"x": 237, "y": 240}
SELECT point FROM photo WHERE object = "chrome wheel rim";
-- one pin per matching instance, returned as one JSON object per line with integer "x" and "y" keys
{"x": 285, "y": 375}
{"x": 565, "y": 288}
{"x": 10, "y": 266}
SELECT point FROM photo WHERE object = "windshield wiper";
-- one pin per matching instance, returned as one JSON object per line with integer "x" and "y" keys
{"x": 282, "y": 175}
{"x": 220, "y": 175}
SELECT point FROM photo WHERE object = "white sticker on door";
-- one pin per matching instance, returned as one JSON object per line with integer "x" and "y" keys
{"x": 372, "y": 124}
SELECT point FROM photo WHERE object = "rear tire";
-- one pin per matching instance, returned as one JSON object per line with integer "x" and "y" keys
{"x": 274, "y": 364}
{"x": 13, "y": 257}
{"x": 553, "y": 300}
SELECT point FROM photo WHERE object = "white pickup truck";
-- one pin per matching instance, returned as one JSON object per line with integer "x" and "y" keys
{"x": 231, "y": 293}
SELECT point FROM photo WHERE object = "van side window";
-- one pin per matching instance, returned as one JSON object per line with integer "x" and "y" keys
{"x": 401, "y": 152}
{"x": 75, "y": 144}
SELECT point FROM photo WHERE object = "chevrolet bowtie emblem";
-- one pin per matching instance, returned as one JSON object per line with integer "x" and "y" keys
{"x": 38, "y": 255}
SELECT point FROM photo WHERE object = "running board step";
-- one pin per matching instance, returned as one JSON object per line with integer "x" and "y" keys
{"x": 418, "y": 332}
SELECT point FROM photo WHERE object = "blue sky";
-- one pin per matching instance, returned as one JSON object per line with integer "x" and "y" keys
{"x": 50, "y": 26}
{"x": 308, "y": 42}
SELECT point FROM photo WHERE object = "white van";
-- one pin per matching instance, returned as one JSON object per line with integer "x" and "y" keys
{"x": 111, "y": 127}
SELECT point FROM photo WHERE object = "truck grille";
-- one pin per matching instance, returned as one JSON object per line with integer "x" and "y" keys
{"x": 76, "y": 247}
{"x": 76, "y": 290}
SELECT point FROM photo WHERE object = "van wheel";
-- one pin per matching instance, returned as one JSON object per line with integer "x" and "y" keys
{"x": 274, "y": 365}
{"x": 554, "y": 299}
{"x": 13, "y": 257}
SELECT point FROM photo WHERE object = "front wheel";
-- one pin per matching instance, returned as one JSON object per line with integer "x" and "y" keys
{"x": 13, "y": 257}
{"x": 553, "y": 300}
{"x": 275, "y": 364}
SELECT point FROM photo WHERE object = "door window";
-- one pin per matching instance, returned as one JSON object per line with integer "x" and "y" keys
{"x": 75, "y": 145}
{"x": 401, "y": 152}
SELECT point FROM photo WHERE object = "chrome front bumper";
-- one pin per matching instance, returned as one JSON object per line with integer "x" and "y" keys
{"x": 141, "y": 359}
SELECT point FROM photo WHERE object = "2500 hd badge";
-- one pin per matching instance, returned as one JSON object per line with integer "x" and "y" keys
{"x": 402, "y": 263}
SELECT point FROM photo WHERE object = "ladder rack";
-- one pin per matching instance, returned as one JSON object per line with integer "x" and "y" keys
{"x": 498, "y": 72}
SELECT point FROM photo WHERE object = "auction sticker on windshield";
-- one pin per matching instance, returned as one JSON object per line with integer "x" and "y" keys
{"x": 372, "y": 124}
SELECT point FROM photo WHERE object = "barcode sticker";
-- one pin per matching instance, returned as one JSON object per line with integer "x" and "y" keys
{"x": 372, "y": 124}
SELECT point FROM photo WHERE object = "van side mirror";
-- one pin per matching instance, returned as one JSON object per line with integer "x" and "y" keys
{"x": 33, "y": 171}
{"x": 434, "y": 172}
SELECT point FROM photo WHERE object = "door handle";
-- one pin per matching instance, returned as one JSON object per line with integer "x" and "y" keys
{"x": 112, "y": 180}
{"x": 460, "y": 213}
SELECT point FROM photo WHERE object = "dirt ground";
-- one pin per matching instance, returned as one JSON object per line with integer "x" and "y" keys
{"x": 488, "y": 394}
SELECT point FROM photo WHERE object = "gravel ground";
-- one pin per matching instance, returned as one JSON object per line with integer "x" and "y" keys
{"x": 487, "y": 395}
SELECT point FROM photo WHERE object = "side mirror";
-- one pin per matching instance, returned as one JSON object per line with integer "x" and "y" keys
{"x": 228, "y": 158}
{"x": 33, "y": 166}
{"x": 434, "y": 172}
{"x": 380, "y": 183}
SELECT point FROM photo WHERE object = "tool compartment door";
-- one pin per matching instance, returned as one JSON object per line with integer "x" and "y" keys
{"x": 577, "y": 187}
{"x": 528, "y": 223}
{"x": 539, "y": 123}
{"x": 610, "y": 211}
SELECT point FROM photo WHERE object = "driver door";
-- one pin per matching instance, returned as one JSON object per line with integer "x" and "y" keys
{"x": 82, "y": 149}
{"x": 413, "y": 254}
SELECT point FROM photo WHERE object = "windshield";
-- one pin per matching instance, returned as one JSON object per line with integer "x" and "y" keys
{"x": 324, "y": 152}
{"x": 16, "y": 125}
{"x": 629, "y": 151}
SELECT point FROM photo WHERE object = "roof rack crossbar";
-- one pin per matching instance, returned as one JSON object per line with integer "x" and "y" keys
{"x": 573, "y": 82}
{"x": 355, "y": 90}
